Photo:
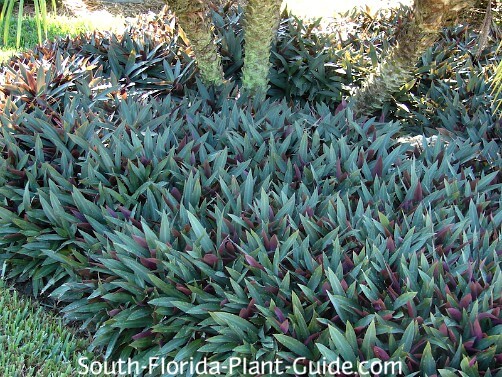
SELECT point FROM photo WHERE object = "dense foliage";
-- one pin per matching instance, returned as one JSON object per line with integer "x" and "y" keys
{"x": 174, "y": 220}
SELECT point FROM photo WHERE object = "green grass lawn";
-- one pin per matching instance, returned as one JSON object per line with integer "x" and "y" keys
{"x": 57, "y": 26}
{"x": 35, "y": 342}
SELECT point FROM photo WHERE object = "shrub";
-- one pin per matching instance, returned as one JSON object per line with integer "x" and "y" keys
{"x": 177, "y": 221}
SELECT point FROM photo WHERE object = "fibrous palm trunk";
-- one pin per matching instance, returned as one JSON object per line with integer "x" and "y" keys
{"x": 262, "y": 19}
{"x": 193, "y": 18}
{"x": 420, "y": 32}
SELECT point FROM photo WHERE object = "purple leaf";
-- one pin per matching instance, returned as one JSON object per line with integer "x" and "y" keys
{"x": 418, "y": 194}
{"x": 150, "y": 263}
{"x": 140, "y": 241}
{"x": 341, "y": 106}
{"x": 114, "y": 312}
{"x": 141, "y": 335}
{"x": 284, "y": 326}
{"x": 380, "y": 353}
{"x": 279, "y": 314}
{"x": 455, "y": 314}
{"x": 210, "y": 259}
{"x": 378, "y": 168}
{"x": 111, "y": 212}
{"x": 253, "y": 262}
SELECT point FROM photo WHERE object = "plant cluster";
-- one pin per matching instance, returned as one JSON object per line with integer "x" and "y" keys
{"x": 178, "y": 221}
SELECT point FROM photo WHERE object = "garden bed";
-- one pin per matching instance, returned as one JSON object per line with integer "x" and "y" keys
{"x": 176, "y": 220}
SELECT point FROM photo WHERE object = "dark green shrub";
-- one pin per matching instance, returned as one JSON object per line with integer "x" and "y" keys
{"x": 177, "y": 221}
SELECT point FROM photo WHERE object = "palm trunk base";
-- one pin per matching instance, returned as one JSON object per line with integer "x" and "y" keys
{"x": 421, "y": 32}
{"x": 261, "y": 23}
{"x": 193, "y": 19}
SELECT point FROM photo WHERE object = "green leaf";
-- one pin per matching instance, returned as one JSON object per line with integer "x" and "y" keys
{"x": 351, "y": 337}
{"x": 237, "y": 322}
{"x": 294, "y": 346}
{"x": 342, "y": 345}
{"x": 369, "y": 340}
{"x": 427, "y": 363}
{"x": 189, "y": 350}
{"x": 85, "y": 206}
{"x": 172, "y": 345}
{"x": 384, "y": 220}
{"x": 328, "y": 354}
{"x": 409, "y": 336}
{"x": 447, "y": 373}
{"x": 200, "y": 233}
{"x": 403, "y": 299}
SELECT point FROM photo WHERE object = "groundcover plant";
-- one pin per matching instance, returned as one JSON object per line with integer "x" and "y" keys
{"x": 191, "y": 223}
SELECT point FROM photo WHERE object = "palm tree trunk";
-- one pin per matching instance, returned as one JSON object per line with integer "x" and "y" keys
{"x": 193, "y": 18}
{"x": 262, "y": 19}
{"x": 420, "y": 32}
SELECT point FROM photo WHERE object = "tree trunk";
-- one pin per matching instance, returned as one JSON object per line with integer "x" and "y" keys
{"x": 420, "y": 32}
{"x": 193, "y": 18}
{"x": 262, "y": 19}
